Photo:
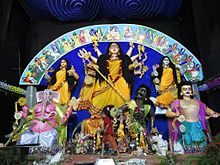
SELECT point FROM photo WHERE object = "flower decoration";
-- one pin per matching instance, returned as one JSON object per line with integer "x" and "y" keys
{"x": 17, "y": 115}
{"x": 136, "y": 109}
{"x": 15, "y": 125}
{"x": 182, "y": 128}
{"x": 156, "y": 80}
{"x": 155, "y": 73}
{"x": 181, "y": 118}
{"x": 22, "y": 101}
{"x": 157, "y": 87}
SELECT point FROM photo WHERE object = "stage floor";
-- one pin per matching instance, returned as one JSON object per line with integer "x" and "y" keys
{"x": 91, "y": 159}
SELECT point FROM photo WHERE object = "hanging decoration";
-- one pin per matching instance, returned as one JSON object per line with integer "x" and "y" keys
{"x": 12, "y": 88}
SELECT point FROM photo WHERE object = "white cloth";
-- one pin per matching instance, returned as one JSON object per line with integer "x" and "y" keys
{"x": 46, "y": 139}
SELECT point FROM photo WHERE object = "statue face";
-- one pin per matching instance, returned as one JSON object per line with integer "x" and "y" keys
{"x": 141, "y": 93}
{"x": 47, "y": 94}
{"x": 114, "y": 48}
{"x": 63, "y": 64}
{"x": 166, "y": 61}
{"x": 114, "y": 112}
{"x": 186, "y": 90}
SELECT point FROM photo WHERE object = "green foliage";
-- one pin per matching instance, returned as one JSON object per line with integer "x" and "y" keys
{"x": 210, "y": 157}
{"x": 217, "y": 138}
{"x": 168, "y": 160}
{"x": 8, "y": 157}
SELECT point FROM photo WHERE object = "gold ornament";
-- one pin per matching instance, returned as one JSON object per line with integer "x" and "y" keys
{"x": 22, "y": 101}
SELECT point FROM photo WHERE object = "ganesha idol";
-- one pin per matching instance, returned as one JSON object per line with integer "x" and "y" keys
{"x": 45, "y": 123}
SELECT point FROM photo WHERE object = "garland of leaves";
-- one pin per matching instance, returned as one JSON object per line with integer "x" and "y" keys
{"x": 12, "y": 88}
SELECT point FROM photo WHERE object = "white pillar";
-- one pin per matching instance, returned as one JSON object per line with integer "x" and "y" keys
{"x": 31, "y": 96}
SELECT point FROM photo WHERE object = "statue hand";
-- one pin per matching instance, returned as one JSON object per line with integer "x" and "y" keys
{"x": 74, "y": 103}
{"x": 214, "y": 114}
{"x": 96, "y": 49}
{"x": 90, "y": 65}
{"x": 136, "y": 64}
{"x": 71, "y": 71}
{"x": 47, "y": 77}
{"x": 95, "y": 66}
{"x": 131, "y": 45}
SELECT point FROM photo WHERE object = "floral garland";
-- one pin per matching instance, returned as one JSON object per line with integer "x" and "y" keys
{"x": 154, "y": 75}
{"x": 12, "y": 88}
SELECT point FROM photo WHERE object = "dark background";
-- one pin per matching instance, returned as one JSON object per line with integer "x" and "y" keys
{"x": 196, "y": 26}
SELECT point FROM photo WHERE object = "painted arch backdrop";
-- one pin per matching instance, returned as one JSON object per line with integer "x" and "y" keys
{"x": 157, "y": 44}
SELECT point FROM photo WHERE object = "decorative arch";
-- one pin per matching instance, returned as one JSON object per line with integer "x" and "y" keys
{"x": 71, "y": 42}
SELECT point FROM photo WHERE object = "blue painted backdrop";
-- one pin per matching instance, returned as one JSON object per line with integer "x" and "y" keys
{"x": 153, "y": 58}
